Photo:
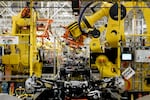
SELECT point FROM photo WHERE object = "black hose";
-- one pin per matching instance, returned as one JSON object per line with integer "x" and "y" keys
{"x": 80, "y": 17}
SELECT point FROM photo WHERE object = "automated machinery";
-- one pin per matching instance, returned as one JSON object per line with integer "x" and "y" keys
{"x": 115, "y": 50}
{"x": 111, "y": 55}
{"x": 113, "y": 44}
{"x": 23, "y": 58}
{"x": 26, "y": 57}
{"x": 75, "y": 81}
{"x": 105, "y": 52}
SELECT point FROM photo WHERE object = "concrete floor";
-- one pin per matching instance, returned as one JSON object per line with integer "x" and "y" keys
{"x": 145, "y": 98}
{"x": 7, "y": 97}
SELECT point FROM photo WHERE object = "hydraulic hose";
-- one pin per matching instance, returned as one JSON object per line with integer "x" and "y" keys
{"x": 80, "y": 17}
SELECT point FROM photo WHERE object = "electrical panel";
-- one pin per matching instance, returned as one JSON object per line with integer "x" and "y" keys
{"x": 142, "y": 56}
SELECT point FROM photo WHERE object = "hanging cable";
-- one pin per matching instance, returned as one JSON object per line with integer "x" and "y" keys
{"x": 80, "y": 17}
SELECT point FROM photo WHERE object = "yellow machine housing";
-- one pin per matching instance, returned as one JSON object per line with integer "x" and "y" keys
{"x": 114, "y": 34}
{"x": 106, "y": 55}
{"x": 24, "y": 57}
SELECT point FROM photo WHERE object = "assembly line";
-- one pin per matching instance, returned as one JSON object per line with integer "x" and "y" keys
{"x": 103, "y": 54}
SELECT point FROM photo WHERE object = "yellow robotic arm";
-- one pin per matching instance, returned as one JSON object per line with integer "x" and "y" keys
{"x": 114, "y": 32}
{"x": 89, "y": 21}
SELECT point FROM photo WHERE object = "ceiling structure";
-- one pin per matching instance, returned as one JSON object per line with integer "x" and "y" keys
{"x": 60, "y": 12}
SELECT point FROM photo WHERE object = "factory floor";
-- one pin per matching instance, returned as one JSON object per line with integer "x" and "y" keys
{"x": 4, "y": 96}
{"x": 145, "y": 98}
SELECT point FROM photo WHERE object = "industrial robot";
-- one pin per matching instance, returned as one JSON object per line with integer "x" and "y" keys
{"x": 108, "y": 42}
{"x": 23, "y": 58}
{"x": 104, "y": 53}
{"x": 76, "y": 82}
{"x": 107, "y": 39}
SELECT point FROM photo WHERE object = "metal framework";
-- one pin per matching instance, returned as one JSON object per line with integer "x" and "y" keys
{"x": 59, "y": 11}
